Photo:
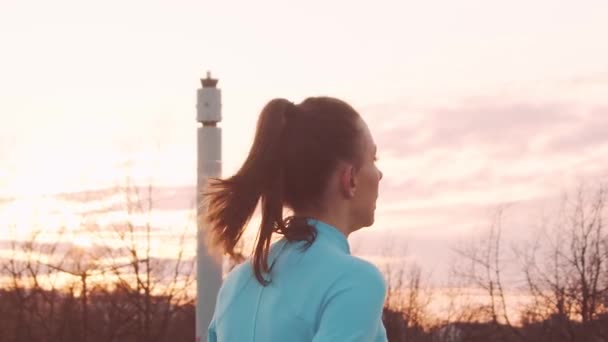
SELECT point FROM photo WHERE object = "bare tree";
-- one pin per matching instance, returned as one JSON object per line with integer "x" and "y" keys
{"x": 585, "y": 253}
{"x": 149, "y": 279}
{"x": 565, "y": 268}
{"x": 483, "y": 266}
{"x": 15, "y": 270}
{"x": 406, "y": 310}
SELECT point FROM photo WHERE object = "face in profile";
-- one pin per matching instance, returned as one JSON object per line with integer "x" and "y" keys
{"x": 366, "y": 180}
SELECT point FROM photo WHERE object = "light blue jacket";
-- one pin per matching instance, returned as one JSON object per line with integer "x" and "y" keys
{"x": 320, "y": 294}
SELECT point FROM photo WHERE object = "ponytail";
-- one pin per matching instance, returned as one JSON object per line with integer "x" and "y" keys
{"x": 293, "y": 155}
{"x": 232, "y": 201}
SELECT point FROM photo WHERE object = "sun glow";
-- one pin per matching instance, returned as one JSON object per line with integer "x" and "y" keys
{"x": 82, "y": 240}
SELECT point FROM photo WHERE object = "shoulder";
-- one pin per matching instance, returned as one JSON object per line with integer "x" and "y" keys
{"x": 338, "y": 267}
{"x": 359, "y": 284}
{"x": 240, "y": 274}
{"x": 364, "y": 272}
{"x": 243, "y": 272}
{"x": 357, "y": 276}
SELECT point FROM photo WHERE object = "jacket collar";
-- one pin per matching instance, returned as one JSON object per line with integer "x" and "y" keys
{"x": 331, "y": 234}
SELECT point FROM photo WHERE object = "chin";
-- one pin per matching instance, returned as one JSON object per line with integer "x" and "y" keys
{"x": 369, "y": 222}
{"x": 365, "y": 220}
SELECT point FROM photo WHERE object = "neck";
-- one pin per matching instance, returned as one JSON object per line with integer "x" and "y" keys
{"x": 333, "y": 218}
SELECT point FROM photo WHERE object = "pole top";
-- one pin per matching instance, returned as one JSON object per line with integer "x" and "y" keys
{"x": 209, "y": 82}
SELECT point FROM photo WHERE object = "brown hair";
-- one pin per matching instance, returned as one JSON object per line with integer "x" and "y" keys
{"x": 295, "y": 150}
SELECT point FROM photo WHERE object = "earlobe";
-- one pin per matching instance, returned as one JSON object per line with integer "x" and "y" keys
{"x": 353, "y": 182}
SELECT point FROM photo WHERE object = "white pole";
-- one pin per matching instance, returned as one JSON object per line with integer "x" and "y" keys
{"x": 208, "y": 270}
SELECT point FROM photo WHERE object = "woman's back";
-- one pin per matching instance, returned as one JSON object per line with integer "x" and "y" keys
{"x": 318, "y": 294}
{"x": 316, "y": 159}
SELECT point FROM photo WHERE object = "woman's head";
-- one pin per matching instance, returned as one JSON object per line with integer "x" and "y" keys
{"x": 314, "y": 157}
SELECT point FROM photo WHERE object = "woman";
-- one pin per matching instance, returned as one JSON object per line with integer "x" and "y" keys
{"x": 316, "y": 159}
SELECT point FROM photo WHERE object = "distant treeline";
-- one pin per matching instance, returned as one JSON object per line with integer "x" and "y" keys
{"x": 120, "y": 315}
{"x": 119, "y": 292}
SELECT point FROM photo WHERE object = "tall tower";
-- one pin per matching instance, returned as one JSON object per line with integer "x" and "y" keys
{"x": 208, "y": 270}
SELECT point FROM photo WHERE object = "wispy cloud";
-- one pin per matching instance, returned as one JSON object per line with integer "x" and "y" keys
{"x": 489, "y": 142}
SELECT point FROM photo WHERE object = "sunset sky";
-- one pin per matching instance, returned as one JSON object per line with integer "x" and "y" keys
{"x": 472, "y": 103}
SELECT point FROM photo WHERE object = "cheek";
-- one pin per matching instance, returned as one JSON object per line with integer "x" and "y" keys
{"x": 376, "y": 174}
{"x": 373, "y": 178}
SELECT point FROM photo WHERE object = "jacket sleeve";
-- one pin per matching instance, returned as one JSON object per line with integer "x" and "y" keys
{"x": 211, "y": 334}
{"x": 352, "y": 309}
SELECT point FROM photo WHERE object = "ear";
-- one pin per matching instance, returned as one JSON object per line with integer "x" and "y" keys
{"x": 348, "y": 181}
